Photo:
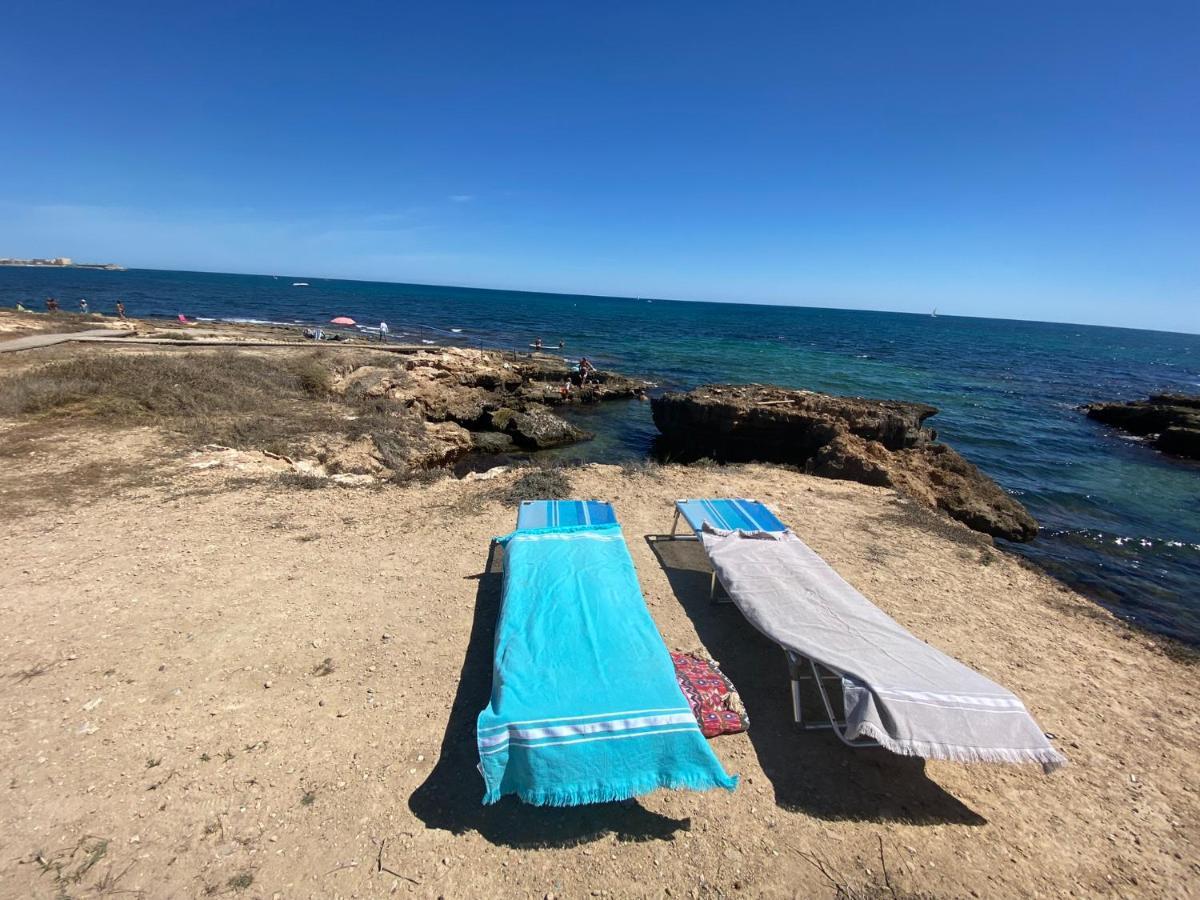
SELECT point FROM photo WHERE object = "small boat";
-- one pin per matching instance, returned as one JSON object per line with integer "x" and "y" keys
{"x": 299, "y": 284}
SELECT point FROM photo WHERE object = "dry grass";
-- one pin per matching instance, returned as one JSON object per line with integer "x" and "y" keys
{"x": 260, "y": 401}
{"x": 128, "y": 389}
{"x": 281, "y": 403}
{"x": 641, "y": 468}
{"x": 540, "y": 483}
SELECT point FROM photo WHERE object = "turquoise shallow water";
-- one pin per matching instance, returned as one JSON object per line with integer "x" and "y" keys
{"x": 1119, "y": 520}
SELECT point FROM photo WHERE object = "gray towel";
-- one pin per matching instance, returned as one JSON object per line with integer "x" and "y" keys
{"x": 910, "y": 697}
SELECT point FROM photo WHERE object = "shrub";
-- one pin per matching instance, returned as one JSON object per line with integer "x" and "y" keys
{"x": 639, "y": 468}
{"x": 304, "y": 481}
{"x": 315, "y": 379}
{"x": 540, "y": 483}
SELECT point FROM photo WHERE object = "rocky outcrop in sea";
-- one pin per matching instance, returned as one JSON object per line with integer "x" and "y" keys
{"x": 879, "y": 442}
{"x": 1171, "y": 421}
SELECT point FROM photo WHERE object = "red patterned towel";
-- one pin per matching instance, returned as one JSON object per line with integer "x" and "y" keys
{"x": 714, "y": 700}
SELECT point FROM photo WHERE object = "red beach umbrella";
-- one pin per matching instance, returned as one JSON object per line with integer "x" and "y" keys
{"x": 342, "y": 320}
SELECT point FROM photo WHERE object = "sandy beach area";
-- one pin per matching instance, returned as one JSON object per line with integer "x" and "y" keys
{"x": 219, "y": 683}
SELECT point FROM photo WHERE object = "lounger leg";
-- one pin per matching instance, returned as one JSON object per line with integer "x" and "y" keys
{"x": 839, "y": 728}
{"x": 715, "y": 583}
{"x": 794, "y": 678}
{"x": 675, "y": 523}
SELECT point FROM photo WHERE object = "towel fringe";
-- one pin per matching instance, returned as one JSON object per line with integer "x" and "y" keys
{"x": 1048, "y": 758}
{"x": 612, "y": 792}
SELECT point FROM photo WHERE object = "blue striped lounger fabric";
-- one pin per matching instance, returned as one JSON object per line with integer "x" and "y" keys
{"x": 728, "y": 515}
{"x": 561, "y": 513}
{"x": 898, "y": 691}
{"x": 585, "y": 707}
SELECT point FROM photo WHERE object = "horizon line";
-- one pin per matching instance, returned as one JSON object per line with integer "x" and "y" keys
{"x": 469, "y": 287}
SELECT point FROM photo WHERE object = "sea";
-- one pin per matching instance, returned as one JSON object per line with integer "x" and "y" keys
{"x": 1120, "y": 521}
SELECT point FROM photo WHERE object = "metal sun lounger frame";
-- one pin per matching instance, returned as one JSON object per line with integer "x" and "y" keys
{"x": 759, "y": 518}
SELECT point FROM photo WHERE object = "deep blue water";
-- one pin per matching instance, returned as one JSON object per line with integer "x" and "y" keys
{"x": 1119, "y": 520}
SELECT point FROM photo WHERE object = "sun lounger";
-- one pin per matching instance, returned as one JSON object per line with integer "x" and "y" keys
{"x": 585, "y": 707}
{"x": 897, "y": 691}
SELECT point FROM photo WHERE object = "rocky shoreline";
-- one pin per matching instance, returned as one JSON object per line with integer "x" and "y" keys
{"x": 1171, "y": 421}
{"x": 877, "y": 442}
{"x": 443, "y": 405}
{"x": 369, "y": 415}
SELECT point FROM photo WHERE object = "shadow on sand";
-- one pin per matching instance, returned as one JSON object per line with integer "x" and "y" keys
{"x": 450, "y": 798}
{"x": 811, "y": 772}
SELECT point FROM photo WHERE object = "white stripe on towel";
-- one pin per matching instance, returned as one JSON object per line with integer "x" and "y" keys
{"x": 603, "y": 715}
{"x": 586, "y": 740}
{"x": 582, "y": 728}
{"x": 993, "y": 700}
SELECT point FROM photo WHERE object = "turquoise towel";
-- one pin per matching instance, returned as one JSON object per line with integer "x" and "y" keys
{"x": 585, "y": 707}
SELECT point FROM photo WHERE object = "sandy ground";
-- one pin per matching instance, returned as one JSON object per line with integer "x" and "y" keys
{"x": 216, "y": 685}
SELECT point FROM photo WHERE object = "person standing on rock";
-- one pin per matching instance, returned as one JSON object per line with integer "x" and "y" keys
{"x": 383, "y": 330}
{"x": 120, "y": 309}
{"x": 83, "y": 306}
{"x": 51, "y": 305}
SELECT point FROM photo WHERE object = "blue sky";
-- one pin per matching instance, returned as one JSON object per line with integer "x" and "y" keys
{"x": 1027, "y": 160}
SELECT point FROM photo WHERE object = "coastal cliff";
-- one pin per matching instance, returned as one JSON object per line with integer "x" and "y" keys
{"x": 878, "y": 442}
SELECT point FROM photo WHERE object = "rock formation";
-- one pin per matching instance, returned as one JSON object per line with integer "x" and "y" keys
{"x": 1172, "y": 421}
{"x": 536, "y": 428}
{"x": 880, "y": 442}
{"x": 435, "y": 407}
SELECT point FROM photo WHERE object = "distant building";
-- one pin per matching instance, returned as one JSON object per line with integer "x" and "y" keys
{"x": 63, "y": 262}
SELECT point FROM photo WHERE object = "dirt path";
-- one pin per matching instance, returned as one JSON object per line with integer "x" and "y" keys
{"x": 35, "y": 341}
